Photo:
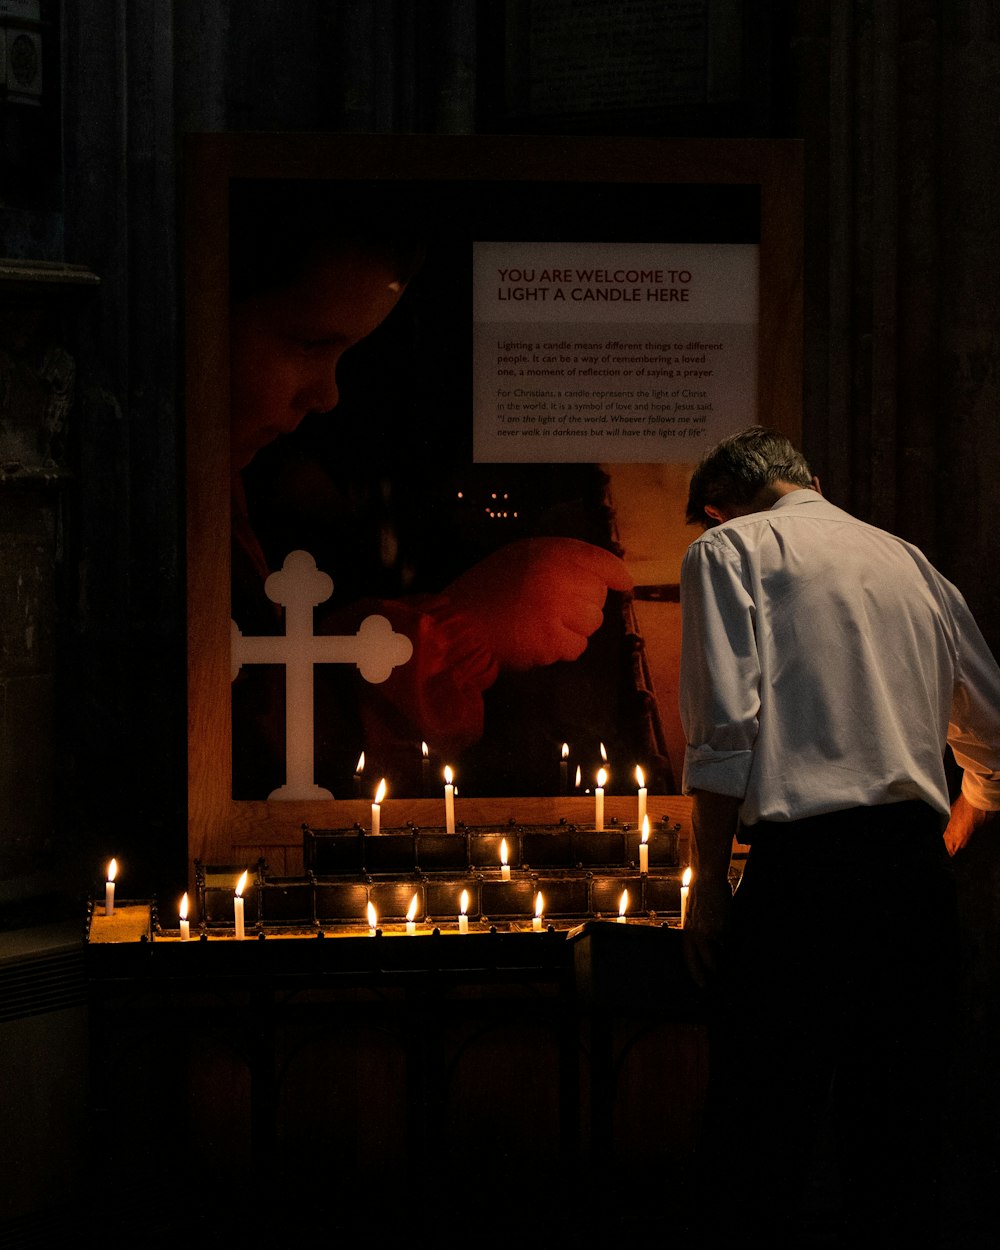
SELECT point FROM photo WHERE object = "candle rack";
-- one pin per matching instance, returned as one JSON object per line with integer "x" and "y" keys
{"x": 581, "y": 873}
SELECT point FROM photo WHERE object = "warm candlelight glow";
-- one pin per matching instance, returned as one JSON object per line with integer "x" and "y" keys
{"x": 380, "y": 792}
{"x": 602, "y": 776}
{"x": 241, "y": 885}
{"x": 463, "y": 919}
{"x": 623, "y": 907}
{"x": 449, "y": 776}
{"x": 109, "y": 889}
{"x": 604, "y": 754}
{"x": 565, "y": 750}
{"x": 536, "y": 922}
{"x": 424, "y": 750}
{"x": 464, "y": 902}
{"x": 644, "y": 846}
{"x": 372, "y": 917}
{"x": 359, "y": 767}
{"x": 183, "y": 911}
{"x": 579, "y": 776}
{"x": 640, "y": 779}
{"x": 685, "y": 890}
{"x": 185, "y": 924}
{"x": 686, "y": 879}
{"x": 504, "y": 866}
{"x": 112, "y": 869}
{"x": 645, "y": 829}
{"x": 411, "y": 911}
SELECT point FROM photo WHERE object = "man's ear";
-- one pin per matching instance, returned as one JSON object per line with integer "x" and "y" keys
{"x": 815, "y": 485}
{"x": 717, "y": 515}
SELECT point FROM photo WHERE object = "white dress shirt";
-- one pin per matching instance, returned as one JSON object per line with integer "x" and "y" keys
{"x": 825, "y": 663}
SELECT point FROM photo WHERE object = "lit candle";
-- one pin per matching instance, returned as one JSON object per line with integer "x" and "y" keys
{"x": 602, "y": 776}
{"x": 238, "y": 906}
{"x": 623, "y": 907}
{"x": 641, "y": 781}
{"x": 372, "y": 919}
{"x": 644, "y": 846}
{"x": 425, "y": 770}
{"x": 109, "y": 888}
{"x": 536, "y": 920}
{"x": 376, "y": 807}
{"x": 579, "y": 776}
{"x": 359, "y": 768}
{"x": 463, "y": 919}
{"x": 685, "y": 890}
{"x": 504, "y": 866}
{"x": 411, "y": 916}
{"x": 564, "y": 769}
{"x": 185, "y": 923}
{"x": 449, "y": 800}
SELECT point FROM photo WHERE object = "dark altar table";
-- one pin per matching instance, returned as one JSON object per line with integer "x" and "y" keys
{"x": 456, "y": 1085}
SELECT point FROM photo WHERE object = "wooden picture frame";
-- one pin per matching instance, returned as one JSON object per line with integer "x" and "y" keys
{"x": 224, "y": 830}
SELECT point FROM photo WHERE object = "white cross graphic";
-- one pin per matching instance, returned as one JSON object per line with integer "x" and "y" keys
{"x": 376, "y": 649}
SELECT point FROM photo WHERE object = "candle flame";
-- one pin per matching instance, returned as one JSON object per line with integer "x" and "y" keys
{"x": 184, "y": 908}
{"x": 112, "y": 869}
{"x": 372, "y": 916}
{"x": 604, "y": 754}
{"x": 464, "y": 904}
{"x": 645, "y": 828}
{"x": 380, "y": 792}
{"x": 423, "y": 750}
{"x": 686, "y": 879}
{"x": 411, "y": 911}
{"x": 359, "y": 767}
{"x": 639, "y": 777}
{"x": 579, "y": 776}
{"x": 241, "y": 885}
{"x": 623, "y": 905}
{"x": 539, "y": 903}
{"x": 448, "y": 774}
{"x": 602, "y": 776}
{"x": 565, "y": 750}
{"x": 503, "y": 850}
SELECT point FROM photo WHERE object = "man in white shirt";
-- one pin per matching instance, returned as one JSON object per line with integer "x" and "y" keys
{"x": 825, "y": 667}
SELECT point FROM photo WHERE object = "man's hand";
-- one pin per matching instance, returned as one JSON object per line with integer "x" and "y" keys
{"x": 714, "y": 822}
{"x": 965, "y": 820}
{"x": 538, "y": 600}
{"x": 705, "y": 929}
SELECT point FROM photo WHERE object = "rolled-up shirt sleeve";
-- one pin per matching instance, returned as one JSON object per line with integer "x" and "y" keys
{"x": 974, "y": 728}
{"x": 720, "y": 670}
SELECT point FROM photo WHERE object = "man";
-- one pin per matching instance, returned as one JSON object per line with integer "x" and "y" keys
{"x": 825, "y": 667}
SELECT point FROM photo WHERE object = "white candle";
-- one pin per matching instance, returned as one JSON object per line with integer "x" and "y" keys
{"x": 602, "y": 776}
{"x": 185, "y": 923}
{"x": 449, "y": 801}
{"x": 685, "y": 888}
{"x": 238, "y": 907}
{"x": 372, "y": 919}
{"x": 376, "y": 807}
{"x": 109, "y": 888}
{"x": 623, "y": 907}
{"x": 536, "y": 920}
{"x": 644, "y": 846}
{"x": 411, "y": 916}
{"x": 640, "y": 778}
{"x": 463, "y": 919}
{"x": 504, "y": 866}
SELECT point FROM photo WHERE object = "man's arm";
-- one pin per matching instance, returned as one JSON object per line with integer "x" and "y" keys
{"x": 714, "y": 822}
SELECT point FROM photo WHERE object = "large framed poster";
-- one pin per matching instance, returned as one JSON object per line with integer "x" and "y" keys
{"x": 443, "y": 399}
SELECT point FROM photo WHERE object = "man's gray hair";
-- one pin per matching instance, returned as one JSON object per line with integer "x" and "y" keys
{"x": 738, "y": 468}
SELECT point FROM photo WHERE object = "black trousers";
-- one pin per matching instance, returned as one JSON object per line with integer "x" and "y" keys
{"x": 833, "y": 1015}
